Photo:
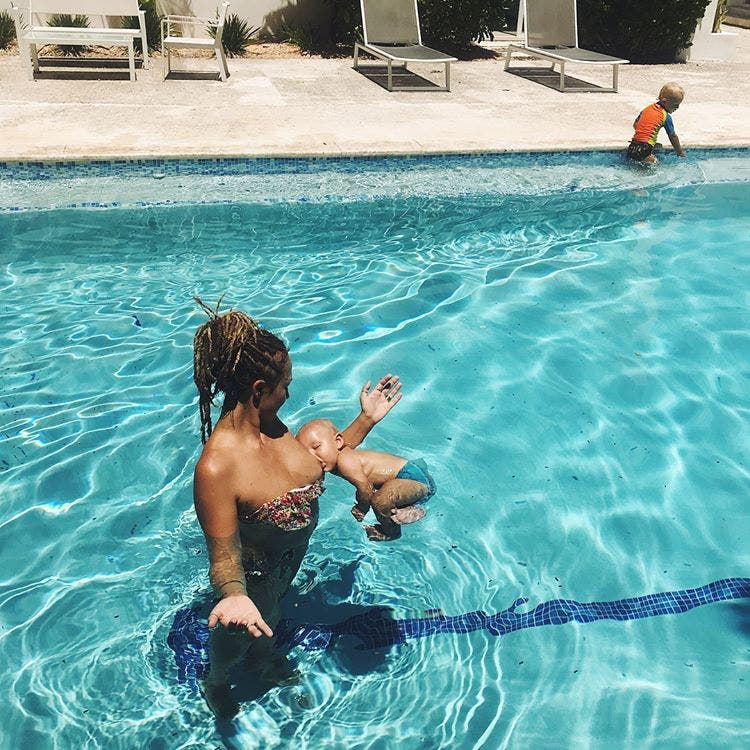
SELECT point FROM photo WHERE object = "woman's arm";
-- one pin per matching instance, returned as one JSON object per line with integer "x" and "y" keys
{"x": 375, "y": 405}
{"x": 217, "y": 513}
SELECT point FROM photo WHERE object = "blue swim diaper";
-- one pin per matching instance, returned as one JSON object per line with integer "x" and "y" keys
{"x": 417, "y": 470}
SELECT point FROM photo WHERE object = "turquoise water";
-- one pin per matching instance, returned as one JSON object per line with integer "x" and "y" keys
{"x": 575, "y": 358}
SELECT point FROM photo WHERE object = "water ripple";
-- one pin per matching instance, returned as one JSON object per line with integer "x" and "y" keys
{"x": 576, "y": 375}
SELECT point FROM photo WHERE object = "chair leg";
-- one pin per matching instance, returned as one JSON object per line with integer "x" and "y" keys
{"x": 356, "y": 55}
{"x": 507, "y": 58}
{"x": 131, "y": 60}
{"x": 562, "y": 76}
{"x": 615, "y": 71}
{"x": 390, "y": 75}
{"x": 222, "y": 60}
{"x": 447, "y": 76}
{"x": 34, "y": 61}
{"x": 167, "y": 61}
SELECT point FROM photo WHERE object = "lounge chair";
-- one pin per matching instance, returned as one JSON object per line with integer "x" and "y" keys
{"x": 391, "y": 32}
{"x": 192, "y": 32}
{"x": 551, "y": 33}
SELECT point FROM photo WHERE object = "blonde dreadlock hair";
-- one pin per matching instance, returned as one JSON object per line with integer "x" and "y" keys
{"x": 230, "y": 352}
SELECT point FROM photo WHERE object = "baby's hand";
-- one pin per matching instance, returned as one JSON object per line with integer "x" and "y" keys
{"x": 358, "y": 513}
{"x": 376, "y": 403}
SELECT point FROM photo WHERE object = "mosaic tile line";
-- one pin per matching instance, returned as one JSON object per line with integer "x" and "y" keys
{"x": 376, "y": 629}
{"x": 157, "y": 168}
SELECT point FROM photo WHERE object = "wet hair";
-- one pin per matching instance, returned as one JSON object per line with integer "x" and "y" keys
{"x": 230, "y": 352}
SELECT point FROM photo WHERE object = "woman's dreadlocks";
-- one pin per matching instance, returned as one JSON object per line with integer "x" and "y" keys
{"x": 230, "y": 352}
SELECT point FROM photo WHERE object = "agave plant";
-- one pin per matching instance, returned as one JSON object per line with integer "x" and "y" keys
{"x": 237, "y": 35}
{"x": 720, "y": 17}
{"x": 7, "y": 29}
{"x": 153, "y": 25}
{"x": 76, "y": 22}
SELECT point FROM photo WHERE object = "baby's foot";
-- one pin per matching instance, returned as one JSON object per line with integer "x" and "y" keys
{"x": 378, "y": 533}
{"x": 409, "y": 514}
{"x": 358, "y": 513}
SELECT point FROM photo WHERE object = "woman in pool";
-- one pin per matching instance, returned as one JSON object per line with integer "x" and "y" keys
{"x": 255, "y": 488}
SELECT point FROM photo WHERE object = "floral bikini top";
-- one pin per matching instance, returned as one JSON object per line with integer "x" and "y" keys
{"x": 290, "y": 511}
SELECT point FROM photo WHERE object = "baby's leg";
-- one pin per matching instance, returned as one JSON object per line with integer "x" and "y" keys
{"x": 409, "y": 492}
{"x": 393, "y": 505}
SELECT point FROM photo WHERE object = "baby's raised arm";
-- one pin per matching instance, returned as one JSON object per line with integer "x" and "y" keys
{"x": 374, "y": 404}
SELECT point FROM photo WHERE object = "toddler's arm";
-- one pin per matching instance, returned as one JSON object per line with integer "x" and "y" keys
{"x": 676, "y": 145}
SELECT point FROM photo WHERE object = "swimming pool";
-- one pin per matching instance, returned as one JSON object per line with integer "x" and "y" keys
{"x": 573, "y": 339}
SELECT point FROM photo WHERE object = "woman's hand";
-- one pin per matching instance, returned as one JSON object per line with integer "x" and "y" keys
{"x": 383, "y": 397}
{"x": 237, "y": 612}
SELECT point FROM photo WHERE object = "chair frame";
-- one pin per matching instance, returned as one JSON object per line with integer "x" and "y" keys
{"x": 561, "y": 59}
{"x": 179, "y": 42}
{"x": 32, "y": 35}
{"x": 377, "y": 50}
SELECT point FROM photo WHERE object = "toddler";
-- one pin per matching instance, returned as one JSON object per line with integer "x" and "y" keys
{"x": 651, "y": 120}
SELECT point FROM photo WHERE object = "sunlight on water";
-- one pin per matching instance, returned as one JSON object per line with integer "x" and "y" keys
{"x": 575, "y": 365}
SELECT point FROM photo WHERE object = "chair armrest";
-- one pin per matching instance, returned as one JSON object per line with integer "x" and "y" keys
{"x": 191, "y": 19}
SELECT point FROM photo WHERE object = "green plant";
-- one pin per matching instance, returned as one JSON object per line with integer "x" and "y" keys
{"x": 346, "y": 23}
{"x": 237, "y": 35}
{"x": 153, "y": 25}
{"x": 301, "y": 36}
{"x": 720, "y": 17}
{"x": 641, "y": 31}
{"x": 7, "y": 29}
{"x": 76, "y": 22}
{"x": 455, "y": 25}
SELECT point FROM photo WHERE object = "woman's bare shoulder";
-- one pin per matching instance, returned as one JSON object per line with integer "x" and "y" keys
{"x": 219, "y": 459}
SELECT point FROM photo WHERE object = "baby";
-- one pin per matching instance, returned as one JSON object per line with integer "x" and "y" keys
{"x": 651, "y": 120}
{"x": 392, "y": 486}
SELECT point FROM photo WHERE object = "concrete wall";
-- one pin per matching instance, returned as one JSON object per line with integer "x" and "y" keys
{"x": 270, "y": 15}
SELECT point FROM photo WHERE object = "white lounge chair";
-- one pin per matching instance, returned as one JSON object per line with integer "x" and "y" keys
{"x": 32, "y": 31}
{"x": 191, "y": 32}
{"x": 391, "y": 33}
{"x": 551, "y": 33}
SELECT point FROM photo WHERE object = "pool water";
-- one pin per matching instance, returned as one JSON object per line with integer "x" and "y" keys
{"x": 576, "y": 365}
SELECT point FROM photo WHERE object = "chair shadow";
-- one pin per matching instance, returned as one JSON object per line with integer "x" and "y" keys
{"x": 551, "y": 79}
{"x": 403, "y": 79}
{"x": 192, "y": 75}
{"x": 85, "y": 68}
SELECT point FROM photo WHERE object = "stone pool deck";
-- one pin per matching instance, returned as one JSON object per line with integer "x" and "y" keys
{"x": 279, "y": 107}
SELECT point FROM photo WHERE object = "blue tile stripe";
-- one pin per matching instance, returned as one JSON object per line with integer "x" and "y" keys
{"x": 53, "y": 170}
{"x": 188, "y": 637}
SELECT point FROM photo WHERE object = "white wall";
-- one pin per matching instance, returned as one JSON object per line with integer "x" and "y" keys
{"x": 270, "y": 15}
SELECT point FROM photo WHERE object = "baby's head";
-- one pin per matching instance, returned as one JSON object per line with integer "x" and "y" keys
{"x": 671, "y": 96}
{"x": 323, "y": 440}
